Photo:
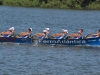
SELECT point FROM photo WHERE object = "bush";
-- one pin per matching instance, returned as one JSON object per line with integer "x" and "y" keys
{"x": 94, "y": 5}
{"x": 43, "y": 4}
{"x": 1, "y": 2}
{"x": 76, "y": 4}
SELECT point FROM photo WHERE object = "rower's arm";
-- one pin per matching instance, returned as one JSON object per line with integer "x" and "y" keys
{"x": 95, "y": 34}
{"x": 74, "y": 35}
{"x": 55, "y": 35}
{"x": 39, "y": 34}
{"x": 5, "y": 33}
{"x": 23, "y": 33}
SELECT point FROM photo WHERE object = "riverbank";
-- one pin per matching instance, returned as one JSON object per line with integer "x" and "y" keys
{"x": 65, "y": 4}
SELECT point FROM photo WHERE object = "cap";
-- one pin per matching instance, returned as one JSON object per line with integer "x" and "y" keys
{"x": 30, "y": 29}
{"x": 47, "y": 28}
{"x": 44, "y": 30}
{"x": 12, "y": 28}
{"x": 66, "y": 31}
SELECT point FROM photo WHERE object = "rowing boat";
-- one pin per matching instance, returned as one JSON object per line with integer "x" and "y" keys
{"x": 72, "y": 42}
{"x": 67, "y": 42}
{"x": 16, "y": 40}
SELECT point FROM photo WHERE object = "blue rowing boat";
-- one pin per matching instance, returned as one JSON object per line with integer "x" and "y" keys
{"x": 72, "y": 42}
{"x": 67, "y": 42}
{"x": 16, "y": 40}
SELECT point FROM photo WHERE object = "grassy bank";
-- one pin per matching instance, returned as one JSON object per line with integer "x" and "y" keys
{"x": 66, "y": 4}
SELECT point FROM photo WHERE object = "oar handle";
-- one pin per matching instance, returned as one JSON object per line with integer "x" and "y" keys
{"x": 88, "y": 35}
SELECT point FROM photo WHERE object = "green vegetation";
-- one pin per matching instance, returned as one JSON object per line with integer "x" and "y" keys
{"x": 71, "y": 4}
{"x": 1, "y": 2}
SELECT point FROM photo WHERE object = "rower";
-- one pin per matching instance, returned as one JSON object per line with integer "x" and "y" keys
{"x": 45, "y": 36}
{"x": 76, "y": 36}
{"x": 25, "y": 34}
{"x": 8, "y": 33}
{"x": 41, "y": 35}
{"x": 60, "y": 35}
{"x": 47, "y": 31}
{"x": 94, "y": 35}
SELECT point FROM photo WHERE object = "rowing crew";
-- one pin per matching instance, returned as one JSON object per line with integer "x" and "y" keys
{"x": 10, "y": 32}
{"x": 45, "y": 34}
{"x": 63, "y": 34}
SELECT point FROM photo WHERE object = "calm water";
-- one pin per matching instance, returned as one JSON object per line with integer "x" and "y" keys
{"x": 49, "y": 60}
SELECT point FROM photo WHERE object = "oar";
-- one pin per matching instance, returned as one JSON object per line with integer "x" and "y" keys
{"x": 88, "y": 35}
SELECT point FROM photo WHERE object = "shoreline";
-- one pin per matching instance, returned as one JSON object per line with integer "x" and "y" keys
{"x": 49, "y": 7}
{"x": 59, "y": 4}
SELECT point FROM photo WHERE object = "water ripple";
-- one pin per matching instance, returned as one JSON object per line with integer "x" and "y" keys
{"x": 18, "y": 59}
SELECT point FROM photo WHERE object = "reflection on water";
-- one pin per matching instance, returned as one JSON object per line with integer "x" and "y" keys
{"x": 18, "y": 59}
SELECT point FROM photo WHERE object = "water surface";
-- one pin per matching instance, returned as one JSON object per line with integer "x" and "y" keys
{"x": 43, "y": 59}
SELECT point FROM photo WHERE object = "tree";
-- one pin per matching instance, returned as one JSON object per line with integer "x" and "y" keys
{"x": 1, "y": 2}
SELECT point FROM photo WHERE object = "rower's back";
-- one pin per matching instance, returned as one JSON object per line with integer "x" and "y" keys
{"x": 64, "y": 33}
{"x": 99, "y": 33}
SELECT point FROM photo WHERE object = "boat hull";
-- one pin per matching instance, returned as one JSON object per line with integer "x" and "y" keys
{"x": 68, "y": 42}
{"x": 71, "y": 42}
{"x": 16, "y": 40}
